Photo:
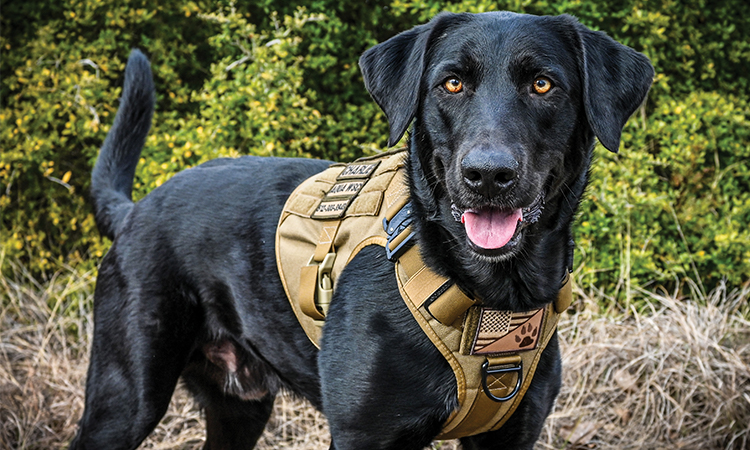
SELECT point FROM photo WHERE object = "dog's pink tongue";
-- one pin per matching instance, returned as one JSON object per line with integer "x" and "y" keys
{"x": 491, "y": 228}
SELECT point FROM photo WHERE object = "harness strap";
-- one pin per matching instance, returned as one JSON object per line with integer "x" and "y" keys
{"x": 450, "y": 305}
{"x": 327, "y": 220}
{"x": 492, "y": 380}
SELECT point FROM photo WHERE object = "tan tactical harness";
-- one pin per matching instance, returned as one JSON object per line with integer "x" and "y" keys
{"x": 330, "y": 217}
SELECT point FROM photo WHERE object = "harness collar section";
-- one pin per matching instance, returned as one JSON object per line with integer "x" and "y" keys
{"x": 493, "y": 353}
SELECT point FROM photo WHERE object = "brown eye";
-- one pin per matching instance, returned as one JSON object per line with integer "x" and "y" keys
{"x": 542, "y": 85}
{"x": 454, "y": 85}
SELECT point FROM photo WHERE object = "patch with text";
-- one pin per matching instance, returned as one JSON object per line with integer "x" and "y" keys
{"x": 358, "y": 170}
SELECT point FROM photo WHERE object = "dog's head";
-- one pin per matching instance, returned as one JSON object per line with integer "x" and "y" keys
{"x": 506, "y": 107}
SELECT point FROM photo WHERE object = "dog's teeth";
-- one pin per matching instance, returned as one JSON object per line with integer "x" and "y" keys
{"x": 458, "y": 215}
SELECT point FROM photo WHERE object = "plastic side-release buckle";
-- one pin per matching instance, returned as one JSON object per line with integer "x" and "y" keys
{"x": 397, "y": 225}
{"x": 325, "y": 283}
{"x": 497, "y": 368}
{"x": 317, "y": 300}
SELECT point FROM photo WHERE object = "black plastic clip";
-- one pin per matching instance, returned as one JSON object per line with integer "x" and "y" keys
{"x": 487, "y": 370}
{"x": 399, "y": 232}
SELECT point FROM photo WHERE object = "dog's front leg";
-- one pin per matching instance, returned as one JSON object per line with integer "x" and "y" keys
{"x": 384, "y": 384}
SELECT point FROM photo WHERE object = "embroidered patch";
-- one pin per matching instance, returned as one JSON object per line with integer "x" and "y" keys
{"x": 346, "y": 188}
{"x": 331, "y": 209}
{"x": 505, "y": 331}
{"x": 356, "y": 170}
{"x": 348, "y": 185}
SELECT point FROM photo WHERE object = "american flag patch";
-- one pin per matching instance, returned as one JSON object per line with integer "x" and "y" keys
{"x": 506, "y": 331}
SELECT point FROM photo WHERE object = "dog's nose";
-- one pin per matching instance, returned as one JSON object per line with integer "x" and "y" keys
{"x": 489, "y": 172}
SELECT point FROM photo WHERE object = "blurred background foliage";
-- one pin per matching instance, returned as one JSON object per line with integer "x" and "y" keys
{"x": 279, "y": 77}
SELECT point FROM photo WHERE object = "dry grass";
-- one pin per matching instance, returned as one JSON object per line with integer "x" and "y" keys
{"x": 677, "y": 376}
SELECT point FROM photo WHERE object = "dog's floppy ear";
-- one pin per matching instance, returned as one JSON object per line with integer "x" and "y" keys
{"x": 393, "y": 71}
{"x": 616, "y": 81}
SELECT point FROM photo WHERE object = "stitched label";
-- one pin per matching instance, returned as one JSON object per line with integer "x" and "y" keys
{"x": 358, "y": 171}
{"x": 346, "y": 188}
{"x": 333, "y": 209}
{"x": 326, "y": 237}
{"x": 349, "y": 184}
{"x": 503, "y": 384}
{"x": 504, "y": 331}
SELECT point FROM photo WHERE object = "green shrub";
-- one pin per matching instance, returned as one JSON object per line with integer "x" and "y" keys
{"x": 675, "y": 202}
{"x": 250, "y": 104}
{"x": 240, "y": 79}
{"x": 61, "y": 94}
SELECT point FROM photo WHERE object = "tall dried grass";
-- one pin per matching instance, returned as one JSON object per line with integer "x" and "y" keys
{"x": 674, "y": 376}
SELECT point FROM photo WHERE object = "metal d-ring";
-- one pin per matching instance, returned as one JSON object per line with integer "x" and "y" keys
{"x": 486, "y": 370}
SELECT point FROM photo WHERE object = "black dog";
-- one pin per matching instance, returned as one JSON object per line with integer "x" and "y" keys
{"x": 505, "y": 108}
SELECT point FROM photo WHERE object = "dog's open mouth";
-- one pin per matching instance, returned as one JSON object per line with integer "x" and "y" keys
{"x": 491, "y": 228}
{"x": 494, "y": 230}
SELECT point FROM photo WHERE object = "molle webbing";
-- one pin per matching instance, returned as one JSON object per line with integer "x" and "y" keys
{"x": 330, "y": 217}
{"x": 326, "y": 221}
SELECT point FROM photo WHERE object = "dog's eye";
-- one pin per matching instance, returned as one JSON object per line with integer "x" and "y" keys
{"x": 542, "y": 85}
{"x": 453, "y": 85}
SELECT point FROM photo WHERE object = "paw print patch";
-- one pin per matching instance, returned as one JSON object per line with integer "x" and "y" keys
{"x": 506, "y": 331}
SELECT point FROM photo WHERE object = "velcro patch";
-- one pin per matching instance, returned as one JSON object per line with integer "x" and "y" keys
{"x": 346, "y": 188}
{"x": 331, "y": 209}
{"x": 505, "y": 331}
{"x": 358, "y": 170}
{"x": 349, "y": 184}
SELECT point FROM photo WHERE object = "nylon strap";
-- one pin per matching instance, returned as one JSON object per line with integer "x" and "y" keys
{"x": 444, "y": 321}
{"x": 311, "y": 287}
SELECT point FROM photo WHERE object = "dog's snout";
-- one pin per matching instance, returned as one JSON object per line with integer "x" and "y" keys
{"x": 488, "y": 172}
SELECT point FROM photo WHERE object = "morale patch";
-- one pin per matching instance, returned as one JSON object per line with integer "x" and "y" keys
{"x": 331, "y": 209}
{"x": 505, "y": 331}
{"x": 353, "y": 171}
{"x": 346, "y": 188}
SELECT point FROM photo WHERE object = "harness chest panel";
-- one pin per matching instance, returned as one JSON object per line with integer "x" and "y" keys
{"x": 333, "y": 215}
{"x": 493, "y": 353}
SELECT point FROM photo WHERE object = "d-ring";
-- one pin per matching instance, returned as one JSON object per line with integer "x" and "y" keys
{"x": 486, "y": 370}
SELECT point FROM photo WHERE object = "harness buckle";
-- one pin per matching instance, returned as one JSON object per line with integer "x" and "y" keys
{"x": 322, "y": 292}
{"x": 516, "y": 365}
{"x": 325, "y": 282}
{"x": 397, "y": 224}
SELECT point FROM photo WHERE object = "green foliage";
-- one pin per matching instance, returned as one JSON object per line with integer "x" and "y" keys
{"x": 62, "y": 67}
{"x": 243, "y": 79}
{"x": 675, "y": 202}
{"x": 250, "y": 104}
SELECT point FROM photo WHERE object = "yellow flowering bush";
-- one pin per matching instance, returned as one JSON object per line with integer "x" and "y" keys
{"x": 266, "y": 78}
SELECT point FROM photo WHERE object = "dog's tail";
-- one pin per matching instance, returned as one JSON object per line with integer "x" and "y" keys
{"x": 112, "y": 178}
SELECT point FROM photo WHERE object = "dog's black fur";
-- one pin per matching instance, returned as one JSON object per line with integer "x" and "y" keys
{"x": 190, "y": 286}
